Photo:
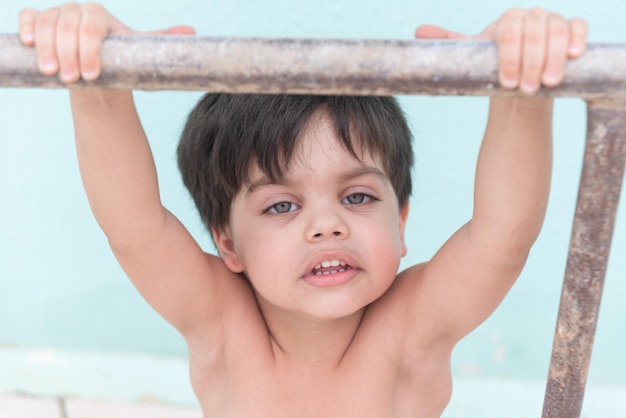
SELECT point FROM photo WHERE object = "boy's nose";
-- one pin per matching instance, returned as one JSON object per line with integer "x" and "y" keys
{"x": 326, "y": 224}
{"x": 335, "y": 233}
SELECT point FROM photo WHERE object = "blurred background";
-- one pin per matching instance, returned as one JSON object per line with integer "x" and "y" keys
{"x": 71, "y": 324}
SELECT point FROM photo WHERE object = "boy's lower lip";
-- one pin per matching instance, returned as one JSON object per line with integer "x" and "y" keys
{"x": 331, "y": 280}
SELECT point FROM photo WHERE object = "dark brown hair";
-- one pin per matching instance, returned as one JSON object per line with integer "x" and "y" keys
{"x": 226, "y": 132}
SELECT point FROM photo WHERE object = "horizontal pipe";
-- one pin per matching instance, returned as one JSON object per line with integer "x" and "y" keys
{"x": 313, "y": 66}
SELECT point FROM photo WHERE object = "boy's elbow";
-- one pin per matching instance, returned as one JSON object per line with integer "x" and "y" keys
{"x": 131, "y": 236}
{"x": 517, "y": 254}
{"x": 511, "y": 247}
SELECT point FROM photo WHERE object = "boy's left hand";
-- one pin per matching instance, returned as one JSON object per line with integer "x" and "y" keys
{"x": 68, "y": 38}
{"x": 533, "y": 46}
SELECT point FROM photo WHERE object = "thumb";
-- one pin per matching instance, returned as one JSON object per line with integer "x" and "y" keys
{"x": 175, "y": 30}
{"x": 437, "y": 32}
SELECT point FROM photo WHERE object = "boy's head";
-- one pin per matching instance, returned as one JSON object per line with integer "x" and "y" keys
{"x": 225, "y": 133}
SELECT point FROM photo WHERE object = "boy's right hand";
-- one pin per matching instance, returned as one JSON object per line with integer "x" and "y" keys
{"x": 533, "y": 46}
{"x": 69, "y": 38}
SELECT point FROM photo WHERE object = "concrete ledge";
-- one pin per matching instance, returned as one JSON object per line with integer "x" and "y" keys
{"x": 93, "y": 375}
{"x": 29, "y": 407}
{"x": 512, "y": 398}
{"x": 80, "y": 385}
{"x": 90, "y": 409}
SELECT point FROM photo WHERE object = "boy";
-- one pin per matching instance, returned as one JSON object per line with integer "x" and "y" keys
{"x": 304, "y": 314}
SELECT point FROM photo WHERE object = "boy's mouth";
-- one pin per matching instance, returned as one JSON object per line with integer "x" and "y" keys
{"x": 330, "y": 267}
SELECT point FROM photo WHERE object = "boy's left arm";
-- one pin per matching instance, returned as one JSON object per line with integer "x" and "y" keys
{"x": 468, "y": 278}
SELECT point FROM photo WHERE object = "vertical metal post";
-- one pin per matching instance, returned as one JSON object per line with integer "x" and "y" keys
{"x": 598, "y": 196}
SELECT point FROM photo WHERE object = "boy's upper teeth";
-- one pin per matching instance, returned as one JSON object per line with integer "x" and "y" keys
{"x": 330, "y": 263}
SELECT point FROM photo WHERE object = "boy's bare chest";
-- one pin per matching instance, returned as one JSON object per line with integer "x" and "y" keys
{"x": 367, "y": 389}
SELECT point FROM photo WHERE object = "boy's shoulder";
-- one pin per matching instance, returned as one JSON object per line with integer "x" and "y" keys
{"x": 398, "y": 310}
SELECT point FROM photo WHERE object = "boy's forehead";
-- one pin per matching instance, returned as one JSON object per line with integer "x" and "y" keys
{"x": 346, "y": 169}
{"x": 320, "y": 136}
{"x": 319, "y": 145}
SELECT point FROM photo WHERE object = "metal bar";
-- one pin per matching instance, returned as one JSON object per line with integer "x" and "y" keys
{"x": 598, "y": 196}
{"x": 322, "y": 66}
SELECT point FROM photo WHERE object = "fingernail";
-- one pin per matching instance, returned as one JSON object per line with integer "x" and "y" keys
{"x": 508, "y": 82}
{"x": 89, "y": 75}
{"x": 550, "y": 78}
{"x": 27, "y": 37}
{"x": 574, "y": 50}
{"x": 48, "y": 66}
{"x": 68, "y": 75}
{"x": 529, "y": 87}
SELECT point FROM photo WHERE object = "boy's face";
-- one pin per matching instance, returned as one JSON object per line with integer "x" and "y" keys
{"x": 324, "y": 243}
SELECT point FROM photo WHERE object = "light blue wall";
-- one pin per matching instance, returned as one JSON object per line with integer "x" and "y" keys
{"x": 61, "y": 289}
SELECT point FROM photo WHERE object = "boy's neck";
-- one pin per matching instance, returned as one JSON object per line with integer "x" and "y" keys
{"x": 309, "y": 342}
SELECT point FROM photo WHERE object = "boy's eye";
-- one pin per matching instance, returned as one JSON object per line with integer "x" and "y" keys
{"x": 356, "y": 199}
{"x": 283, "y": 207}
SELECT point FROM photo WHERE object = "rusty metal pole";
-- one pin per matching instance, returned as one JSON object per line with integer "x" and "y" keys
{"x": 313, "y": 66}
{"x": 598, "y": 197}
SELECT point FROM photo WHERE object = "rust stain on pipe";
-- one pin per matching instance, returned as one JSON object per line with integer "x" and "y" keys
{"x": 601, "y": 182}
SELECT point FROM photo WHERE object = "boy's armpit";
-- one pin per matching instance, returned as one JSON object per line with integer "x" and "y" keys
{"x": 186, "y": 286}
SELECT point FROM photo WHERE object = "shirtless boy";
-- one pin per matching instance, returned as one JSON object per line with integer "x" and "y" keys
{"x": 304, "y": 314}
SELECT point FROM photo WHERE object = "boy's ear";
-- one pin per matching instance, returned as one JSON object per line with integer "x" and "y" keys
{"x": 226, "y": 248}
{"x": 404, "y": 215}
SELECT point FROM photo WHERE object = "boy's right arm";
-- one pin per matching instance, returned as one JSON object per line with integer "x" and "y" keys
{"x": 185, "y": 285}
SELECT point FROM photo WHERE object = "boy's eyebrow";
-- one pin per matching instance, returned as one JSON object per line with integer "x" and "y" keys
{"x": 263, "y": 181}
{"x": 362, "y": 170}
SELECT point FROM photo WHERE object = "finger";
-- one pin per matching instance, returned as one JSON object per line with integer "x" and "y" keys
{"x": 93, "y": 30}
{"x": 26, "y": 22}
{"x": 436, "y": 32}
{"x": 67, "y": 42}
{"x": 45, "y": 41}
{"x": 578, "y": 38}
{"x": 508, "y": 38}
{"x": 556, "y": 54}
{"x": 534, "y": 50}
{"x": 175, "y": 30}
